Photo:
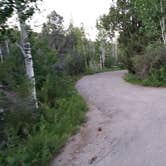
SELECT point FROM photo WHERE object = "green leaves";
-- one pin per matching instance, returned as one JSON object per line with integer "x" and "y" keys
{"x": 151, "y": 12}
{"x": 8, "y": 7}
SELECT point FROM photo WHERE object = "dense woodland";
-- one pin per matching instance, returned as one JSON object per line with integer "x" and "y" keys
{"x": 142, "y": 38}
{"x": 39, "y": 105}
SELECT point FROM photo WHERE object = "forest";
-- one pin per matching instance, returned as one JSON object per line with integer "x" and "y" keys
{"x": 142, "y": 38}
{"x": 40, "y": 107}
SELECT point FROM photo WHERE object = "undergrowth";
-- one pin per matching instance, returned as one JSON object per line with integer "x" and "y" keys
{"x": 39, "y": 141}
{"x": 157, "y": 78}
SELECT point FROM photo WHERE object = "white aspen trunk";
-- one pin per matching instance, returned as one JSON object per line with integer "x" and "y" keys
{"x": 26, "y": 50}
{"x": 116, "y": 51}
{"x": 162, "y": 24}
{"x": 101, "y": 62}
{"x": 103, "y": 56}
{"x": 163, "y": 30}
{"x": 7, "y": 46}
{"x": 1, "y": 55}
{"x": 30, "y": 71}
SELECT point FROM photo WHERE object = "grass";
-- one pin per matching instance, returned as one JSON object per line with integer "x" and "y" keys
{"x": 131, "y": 78}
{"x": 113, "y": 68}
{"x": 48, "y": 135}
{"x": 153, "y": 80}
{"x": 53, "y": 128}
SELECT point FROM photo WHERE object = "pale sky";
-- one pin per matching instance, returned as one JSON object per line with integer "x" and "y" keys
{"x": 80, "y": 11}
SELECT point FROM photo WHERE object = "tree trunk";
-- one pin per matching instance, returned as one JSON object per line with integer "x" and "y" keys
{"x": 26, "y": 50}
{"x": 1, "y": 55}
{"x": 7, "y": 46}
{"x": 103, "y": 56}
{"x": 162, "y": 24}
{"x": 163, "y": 29}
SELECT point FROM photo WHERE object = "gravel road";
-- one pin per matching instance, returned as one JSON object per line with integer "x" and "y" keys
{"x": 126, "y": 125}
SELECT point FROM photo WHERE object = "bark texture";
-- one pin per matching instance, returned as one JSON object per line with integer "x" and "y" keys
{"x": 26, "y": 51}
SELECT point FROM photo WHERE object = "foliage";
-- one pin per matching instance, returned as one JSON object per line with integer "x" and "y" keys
{"x": 157, "y": 78}
{"x": 30, "y": 136}
{"x": 12, "y": 73}
{"x": 7, "y": 8}
{"x": 49, "y": 134}
{"x": 53, "y": 32}
{"x": 137, "y": 22}
{"x": 150, "y": 66}
{"x": 153, "y": 58}
{"x": 75, "y": 64}
{"x": 132, "y": 78}
{"x": 152, "y": 13}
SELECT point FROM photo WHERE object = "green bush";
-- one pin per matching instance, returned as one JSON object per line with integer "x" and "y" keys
{"x": 12, "y": 72}
{"x": 75, "y": 64}
{"x": 132, "y": 78}
{"x": 110, "y": 62}
{"x": 48, "y": 135}
{"x": 28, "y": 136}
{"x": 156, "y": 78}
{"x": 153, "y": 59}
{"x": 150, "y": 67}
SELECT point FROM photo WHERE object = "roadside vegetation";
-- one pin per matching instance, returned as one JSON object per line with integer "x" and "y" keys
{"x": 142, "y": 38}
{"x": 39, "y": 105}
{"x": 150, "y": 68}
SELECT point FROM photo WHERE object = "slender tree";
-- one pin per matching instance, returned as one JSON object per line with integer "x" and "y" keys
{"x": 1, "y": 55}
{"x": 24, "y": 9}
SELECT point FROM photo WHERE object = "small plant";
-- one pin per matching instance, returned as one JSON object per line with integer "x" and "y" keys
{"x": 33, "y": 138}
{"x": 156, "y": 78}
{"x": 132, "y": 78}
{"x": 153, "y": 58}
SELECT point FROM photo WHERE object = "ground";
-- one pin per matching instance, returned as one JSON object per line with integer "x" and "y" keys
{"x": 126, "y": 125}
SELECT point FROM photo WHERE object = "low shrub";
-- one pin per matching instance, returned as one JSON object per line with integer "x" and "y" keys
{"x": 153, "y": 58}
{"x": 156, "y": 78}
{"x": 47, "y": 135}
{"x": 75, "y": 64}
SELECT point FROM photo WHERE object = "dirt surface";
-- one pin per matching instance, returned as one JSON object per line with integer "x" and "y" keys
{"x": 126, "y": 125}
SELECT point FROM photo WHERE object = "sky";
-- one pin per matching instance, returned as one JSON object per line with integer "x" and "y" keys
{"x": 79, "y": 11}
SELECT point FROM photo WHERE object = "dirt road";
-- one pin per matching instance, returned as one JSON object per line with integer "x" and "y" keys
{"x": 126, "y": 125}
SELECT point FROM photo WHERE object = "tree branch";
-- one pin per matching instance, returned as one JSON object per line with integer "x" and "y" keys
{"x": 21, "y": 49}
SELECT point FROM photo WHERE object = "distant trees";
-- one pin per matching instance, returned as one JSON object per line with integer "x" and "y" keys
{"x": 142, "y": 36}
{"x": 138, "y": 23}
{"x": 53, "y": 31}
{"x": 75, "y": 53}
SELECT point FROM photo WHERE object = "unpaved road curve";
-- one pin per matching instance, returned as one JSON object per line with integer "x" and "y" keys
{"x": 126, "y": 125}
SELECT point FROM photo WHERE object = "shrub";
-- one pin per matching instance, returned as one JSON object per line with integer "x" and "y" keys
{"x": 156, "y": 78}
{"x": 132, "y": 78}
{"x": 110, "y": 61}
{"x": 75, "y": 64}
{"x": 154, "y": 58}
{"x": 34, "y": 141}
